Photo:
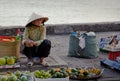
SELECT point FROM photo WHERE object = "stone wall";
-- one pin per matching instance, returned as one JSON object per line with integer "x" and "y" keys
{"x": 96, "y": 27}
{"x": 66, "y": 28}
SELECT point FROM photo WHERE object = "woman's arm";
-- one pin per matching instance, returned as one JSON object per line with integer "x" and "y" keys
{"x": 25, "y": 36}
{"x": 43, "y": 36}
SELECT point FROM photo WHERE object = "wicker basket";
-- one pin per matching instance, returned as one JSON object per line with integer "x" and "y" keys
{"x": 10, "y": 48}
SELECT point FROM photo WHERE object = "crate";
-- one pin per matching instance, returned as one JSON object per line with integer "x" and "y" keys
{"x": 10, "y": 48}
{"x": 113, "y": 55}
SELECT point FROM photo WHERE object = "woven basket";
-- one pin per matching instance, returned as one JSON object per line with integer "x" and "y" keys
{"x": 10, "y": 48}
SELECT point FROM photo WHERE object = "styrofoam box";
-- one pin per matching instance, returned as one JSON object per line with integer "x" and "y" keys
{"x": 53, "y": 79}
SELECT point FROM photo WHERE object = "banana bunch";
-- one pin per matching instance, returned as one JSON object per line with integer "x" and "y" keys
{"x": 94, "y": 70}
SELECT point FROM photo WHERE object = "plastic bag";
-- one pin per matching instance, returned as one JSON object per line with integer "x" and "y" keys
{"x": 82, "y": 42}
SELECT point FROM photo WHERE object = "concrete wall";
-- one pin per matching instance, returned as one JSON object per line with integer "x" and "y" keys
{"x": 66, "y": 28}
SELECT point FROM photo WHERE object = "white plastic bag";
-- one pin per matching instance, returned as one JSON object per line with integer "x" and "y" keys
{"x": 82, "y": 42}
{"x": 90, "y": 34}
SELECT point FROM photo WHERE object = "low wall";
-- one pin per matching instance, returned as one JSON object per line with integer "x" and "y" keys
{"x": 66, "y": 28}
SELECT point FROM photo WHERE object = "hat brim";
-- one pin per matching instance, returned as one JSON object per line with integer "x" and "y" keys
{"x": 44, "y": 19}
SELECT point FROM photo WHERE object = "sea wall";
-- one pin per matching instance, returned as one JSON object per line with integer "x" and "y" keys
{"x": 66, "y": 28}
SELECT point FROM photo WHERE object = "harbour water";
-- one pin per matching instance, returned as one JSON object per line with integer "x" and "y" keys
{"x": 17, "y": 12}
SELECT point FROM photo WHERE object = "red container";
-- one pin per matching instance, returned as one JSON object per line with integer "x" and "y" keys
{"x": 113, "y": 55}
{"x": 7, "y": 38}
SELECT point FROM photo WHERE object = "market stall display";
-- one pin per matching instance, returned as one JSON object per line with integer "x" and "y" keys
{"x": 9, "y": 51}
{"x": 112, "y": 45}
{"x": 83, "y": 73}
{"x": 54, "y": 74}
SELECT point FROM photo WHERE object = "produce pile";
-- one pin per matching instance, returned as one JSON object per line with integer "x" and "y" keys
{"x": 52, "y": 73}
{"x": 85, "y": 73}
{"x": 42, "y": 74}
{"x": 16, "y": 76}
{"x": 73, "y": 73}
{"x": 9, "y": 60}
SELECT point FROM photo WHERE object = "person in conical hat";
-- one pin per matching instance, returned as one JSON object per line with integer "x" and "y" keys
{"x": 34, "y": 39}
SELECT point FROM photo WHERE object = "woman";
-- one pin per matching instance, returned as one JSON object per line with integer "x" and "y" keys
{"x": 34, "y": 39}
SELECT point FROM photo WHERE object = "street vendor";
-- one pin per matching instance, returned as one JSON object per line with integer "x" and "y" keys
{"x": 34, "y": 39}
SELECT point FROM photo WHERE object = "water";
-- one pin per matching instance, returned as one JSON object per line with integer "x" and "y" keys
{"x": 17, "y": 12}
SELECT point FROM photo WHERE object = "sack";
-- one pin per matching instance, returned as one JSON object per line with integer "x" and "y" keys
{"x": 73, "y": 46}
{"x": 90, "y": 50}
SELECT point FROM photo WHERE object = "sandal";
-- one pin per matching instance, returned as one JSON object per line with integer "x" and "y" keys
{"x": 30, "y": 63}
{"x": 44, "y": 63}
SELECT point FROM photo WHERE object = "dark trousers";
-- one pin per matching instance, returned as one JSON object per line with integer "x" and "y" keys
{"x": 43, "y": 50}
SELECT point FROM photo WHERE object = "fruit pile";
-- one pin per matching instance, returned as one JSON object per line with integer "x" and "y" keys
{"x": 42, "y": 74}
{"x": 52, "y": 73}
{"x": 59, "y": 72}
{"x": 16, "y": 76}
{"x": 80, "y": 73}
{"x": 72, "y": 73}
{"x": 77, "y": 73}
{"x": 10, "y": 60}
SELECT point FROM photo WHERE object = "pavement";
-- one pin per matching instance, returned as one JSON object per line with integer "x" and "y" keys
{"x": 58, "y": 58}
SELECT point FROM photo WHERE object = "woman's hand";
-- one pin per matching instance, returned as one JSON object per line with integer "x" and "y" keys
{"x": 30, "y": 43}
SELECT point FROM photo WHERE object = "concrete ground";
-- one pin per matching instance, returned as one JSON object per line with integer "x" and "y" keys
{"x": 59, "y": 51}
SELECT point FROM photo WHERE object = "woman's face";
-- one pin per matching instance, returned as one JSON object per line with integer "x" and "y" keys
{"x": 37, "y": 22}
